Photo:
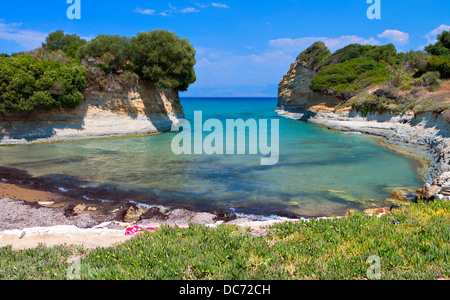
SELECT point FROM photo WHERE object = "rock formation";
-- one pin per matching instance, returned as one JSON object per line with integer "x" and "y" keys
{"x": 140, "y": 110}
{"x": 425, "y": 133}
{"x": 295, "y": 96}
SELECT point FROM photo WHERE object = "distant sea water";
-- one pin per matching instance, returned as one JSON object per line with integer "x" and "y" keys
{"x": 320, "y": 172}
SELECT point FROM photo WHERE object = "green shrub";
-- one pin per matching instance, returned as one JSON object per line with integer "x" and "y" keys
{"x": 68, "y": 43}
{"x": 379, "y": 53}
{"x": 164, "y": 59}
{"x": 431, "y": 80}
{"x": 314, "y": 56}
{"x": 399, "y": 78}
{"x": 440, "y": 64}
{"x": 353, "y": 75}
{"x": 347, "y": 53}
{"x": 111, "y": 51}
{"x": 407, "y": 87}
{"x": 413, "y": 61}
{"x": 442, "y": 46}
{"x": 27, "y": 83}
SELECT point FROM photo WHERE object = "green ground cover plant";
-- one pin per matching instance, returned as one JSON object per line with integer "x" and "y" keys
{"x": 411, "y": 242}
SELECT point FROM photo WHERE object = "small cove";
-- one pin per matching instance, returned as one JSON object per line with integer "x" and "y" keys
{"x": 320, "y": 172}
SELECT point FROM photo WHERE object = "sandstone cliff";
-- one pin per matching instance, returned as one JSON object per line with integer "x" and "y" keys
{"x": 294, "y": 93}
{"x": 140, "y": 110}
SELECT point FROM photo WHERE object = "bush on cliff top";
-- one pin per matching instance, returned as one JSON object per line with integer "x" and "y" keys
{"x": 440, "y": 52}
{"x": 158, "y": 56}
{"x": 68, "y": 43}
{"x": 27, "y": 83}
{"x": 351, "y": 76}
{"x": 350, "y": 70}
{"x": 353, "y": 68}
{"x": 54, "y": 76}
{"x": 164, "y": 59}
{"x": 110, "y": 51}
{"x": 314, "y": 56}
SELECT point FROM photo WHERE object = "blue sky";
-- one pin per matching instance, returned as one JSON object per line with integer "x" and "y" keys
{"x": 243, "y": 47}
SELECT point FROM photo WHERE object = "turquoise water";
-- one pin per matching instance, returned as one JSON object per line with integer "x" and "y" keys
{"x": 320, "y": 172}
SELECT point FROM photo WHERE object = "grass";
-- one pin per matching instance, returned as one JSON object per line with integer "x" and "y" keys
{"x": 417, "y": 248}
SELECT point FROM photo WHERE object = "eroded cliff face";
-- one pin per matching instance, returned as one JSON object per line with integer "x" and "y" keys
{"x": 427, "y": 134}
{"x": 137, "y": 111}
{"x": 294, "y": 94}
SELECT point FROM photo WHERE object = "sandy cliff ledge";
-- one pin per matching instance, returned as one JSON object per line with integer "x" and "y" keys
{"x": 137, "y": 111}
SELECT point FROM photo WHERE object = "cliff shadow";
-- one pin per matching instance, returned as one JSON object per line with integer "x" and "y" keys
{"x": 432, "y": 121}
{"x": 41, "y": 124}
{"x": 163, "y": 109}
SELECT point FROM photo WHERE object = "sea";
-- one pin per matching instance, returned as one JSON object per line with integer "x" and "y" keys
{"x": 318, "y": 172}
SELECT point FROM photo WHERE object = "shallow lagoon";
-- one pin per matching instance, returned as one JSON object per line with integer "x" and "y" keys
{"x": 320, "y": 172}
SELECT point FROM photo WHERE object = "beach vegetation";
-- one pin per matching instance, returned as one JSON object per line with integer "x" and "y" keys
{"x": 442, "y": 46}
{"x": 411, "y": 242}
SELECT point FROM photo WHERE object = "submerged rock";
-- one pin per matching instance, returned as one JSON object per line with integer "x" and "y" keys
{"x": 398, "y": 196}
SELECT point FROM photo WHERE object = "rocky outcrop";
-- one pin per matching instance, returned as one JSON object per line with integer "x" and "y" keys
{"x": 294, "y": 94}
{"x": 426, "y": 133}
{"x": 440, "y": 188}
{"x": 140, "y": 110}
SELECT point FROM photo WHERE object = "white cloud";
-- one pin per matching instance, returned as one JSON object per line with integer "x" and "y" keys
{"x": 220, "y": 5}
{"x": 201, "y": 5}
{"x": 173, "y": 10}
{"x": 28, "y": 39}
{"x": 145, "y": 11}
{"x": 189, "y": 10}
{"x": 432, "y": 35}
{"x": 300, "y": 44}
{"x": 265, "y": 66}
{"x": 213, "y": 4}
{"x": 395, "y": 36}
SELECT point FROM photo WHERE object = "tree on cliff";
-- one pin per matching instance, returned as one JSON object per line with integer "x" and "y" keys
{"x": 68, "y": 43}
{"x": 46, "y": 78}
{"x": 164, "y": 59}
{"x": 440, "y": 52}
{"x": 111, "y": 51}
{"x": 442, "y": 46}
{"x": 159, "y": 57}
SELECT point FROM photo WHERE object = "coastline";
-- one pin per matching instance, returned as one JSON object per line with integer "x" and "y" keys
{"x": 425, "y": 138}
{"x": 28, "y": 224}
{"x": 34, "y": 212}
{"x": 45, "y": 196}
